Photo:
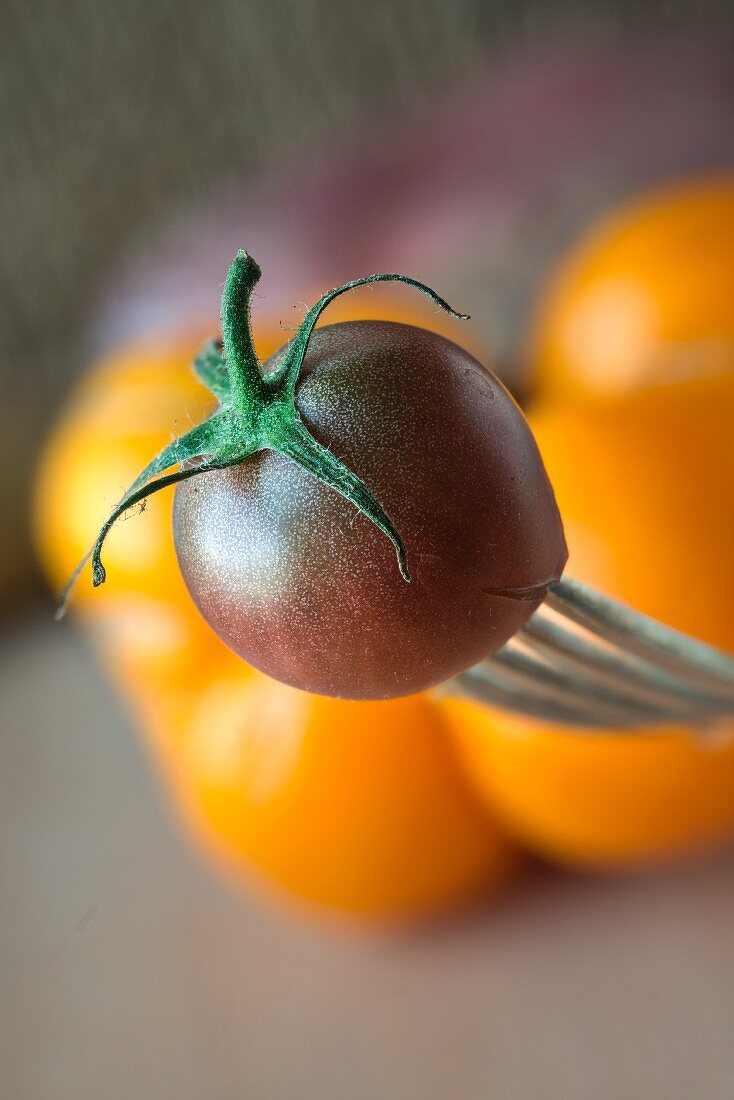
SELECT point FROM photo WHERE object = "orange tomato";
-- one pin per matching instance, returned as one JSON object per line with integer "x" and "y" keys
{"x": 644, "y": 487}
{"x": 118, "y": 416}
{"x": 358, "y": 807}
{"x": 117, "y": 419}
{"x": 601, "y": 800}
{"x": 646, "y": 294}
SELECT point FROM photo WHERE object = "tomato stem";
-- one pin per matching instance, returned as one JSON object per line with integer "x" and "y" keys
{"x": 290, "y": 368}
{"x": 243, "y": 366}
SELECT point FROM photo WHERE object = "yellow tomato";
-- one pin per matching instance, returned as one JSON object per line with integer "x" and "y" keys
{"x": 119, "y": 416}
{"x": 644, "y": 486}
{"x": 601, "y": 800}
{"x": 359, "y": 807}
{"x": 647, "y": 294}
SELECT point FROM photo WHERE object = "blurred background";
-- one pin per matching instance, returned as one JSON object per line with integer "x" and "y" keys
{"x": 212, "y": 885}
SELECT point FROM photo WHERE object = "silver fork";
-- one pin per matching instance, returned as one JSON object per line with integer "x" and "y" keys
{"x": 583, "y": 659}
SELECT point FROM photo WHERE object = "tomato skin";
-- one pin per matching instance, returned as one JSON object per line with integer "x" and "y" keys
{"x": 294, "y": 579}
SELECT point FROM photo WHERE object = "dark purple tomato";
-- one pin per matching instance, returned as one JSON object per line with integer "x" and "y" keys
{"x": 299, "y": 583}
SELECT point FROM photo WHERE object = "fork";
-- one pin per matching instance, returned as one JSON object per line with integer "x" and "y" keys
{"x": 585, "y": 660}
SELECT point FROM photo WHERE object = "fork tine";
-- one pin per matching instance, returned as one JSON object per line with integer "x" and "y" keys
{"x": 603, "y": 663}
{"x": 534, "y": 674}
{"x": 486, "y": 686}
{"x": 693, "y": 661}
{"x": 621, "y": 670}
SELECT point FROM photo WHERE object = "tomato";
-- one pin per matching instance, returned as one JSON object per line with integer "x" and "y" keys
{"x": 644, "y": 485}
{"x": 359, "y": 807}
{"x": 119, "y": 414}
{"x": 611, "y": 800}
{"x": 647, "y": 294}
{"x": 306, "y": 590}
{"x": 282, "y": 567}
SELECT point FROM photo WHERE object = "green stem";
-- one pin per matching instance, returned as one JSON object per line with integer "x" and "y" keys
{"x": 290, "y": 368}
{"x": 243, "y": 366}
{"x": 297, "y": 443}
{"x": 99, "y": 573}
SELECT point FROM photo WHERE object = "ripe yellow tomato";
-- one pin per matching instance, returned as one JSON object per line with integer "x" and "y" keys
{"x": 646, "y": 294}
{"x": 358, "y": 807}
{"x": 601, "y": 800}
{"x": 119, "y": 416}
{"x": 644, "y": 485}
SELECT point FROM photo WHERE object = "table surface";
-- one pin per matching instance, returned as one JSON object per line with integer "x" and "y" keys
{"x": 129, "y": 969}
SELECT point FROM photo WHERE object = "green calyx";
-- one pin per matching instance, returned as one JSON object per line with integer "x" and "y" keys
{"x": 257, "y": 412}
